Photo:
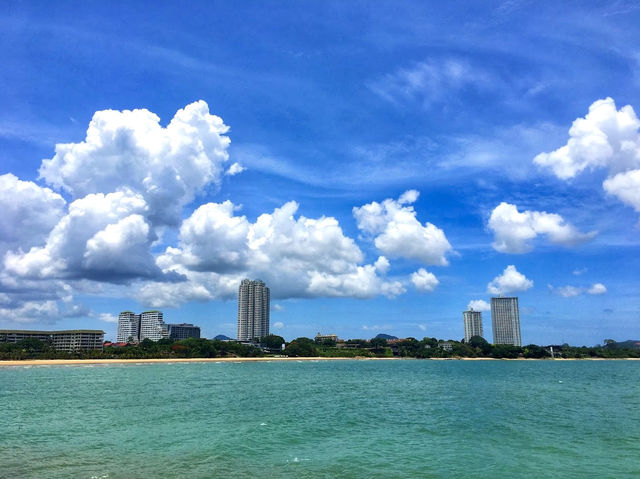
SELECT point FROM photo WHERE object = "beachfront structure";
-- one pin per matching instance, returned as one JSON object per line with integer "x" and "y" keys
{"x": 326, "y": 337}
{"x": 253, "y": 310}
{"x": 67, "y": 340}
{"x": 128, "y": 327}
{"x": 152, "y": 326}
{"x": 183, "y": 331}
{"x": 472, "y": 324}
{"x": 505, "y": 319}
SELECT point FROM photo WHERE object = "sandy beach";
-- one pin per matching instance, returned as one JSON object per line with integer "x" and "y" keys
{"x": 66, "y": 362}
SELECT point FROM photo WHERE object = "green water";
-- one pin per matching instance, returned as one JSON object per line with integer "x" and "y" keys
{"x": 352, "y": 419}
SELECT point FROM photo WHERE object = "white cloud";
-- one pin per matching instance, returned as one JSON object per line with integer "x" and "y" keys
{"x": 296, "y": 256}
{"x": 277, "y": 307}
{"x": 424, "y": 281}
{"x": 579, "y": 272}
{"x": 398, "y": 234}
{"x": 234, "y": 169}
{"x": 510, "y": 281}
{"x": 568, "y": 291}
{"x": 103, "y": 237}
{"x": 29, "y": 212}
{"x": 382, "y": 265}
{"x": 605, "y": 138}
{"x": 573, "y": 291}
{"x": 597, "y": 288}
{"x": 430, "y": 82}
{"x": 30, "y": 312}
{"x": 278, "y": 325}
{"x": 626, "y": 186}
{"x": 513, "y": 230}
{"x": 129, "y": 149}
{"x": 479, "y": 305}
{"x": 108, "y": 318}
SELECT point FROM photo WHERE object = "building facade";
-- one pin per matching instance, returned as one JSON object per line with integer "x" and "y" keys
{"x": 253, "y": 310}
{"x": 472, "y": 324}
{"x": 152, "y": 326}
{"x": 505, "y": 319}
{"x": 183, "y": 331}
{"x": 69, "y": 340}
{"x": 128, "y": 327}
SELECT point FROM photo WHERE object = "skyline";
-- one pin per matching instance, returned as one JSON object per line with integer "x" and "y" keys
{"x": 381, "y": 169}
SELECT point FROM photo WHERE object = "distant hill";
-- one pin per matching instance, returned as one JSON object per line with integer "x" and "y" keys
{"x": 222, "y": 337}
{"x": 385, "y": 336}
{"x": 630, "y": 344}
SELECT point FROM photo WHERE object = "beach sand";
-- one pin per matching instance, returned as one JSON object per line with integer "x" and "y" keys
{"x": 65, "y": 362}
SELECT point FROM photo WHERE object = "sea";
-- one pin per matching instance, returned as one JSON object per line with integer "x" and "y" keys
{"x": 322, "y": 419}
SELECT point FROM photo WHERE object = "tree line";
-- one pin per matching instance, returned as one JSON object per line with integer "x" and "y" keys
{"x": 476, "y": 347}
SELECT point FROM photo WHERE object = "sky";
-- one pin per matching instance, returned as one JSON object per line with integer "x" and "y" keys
{"x": 382, "y": 166}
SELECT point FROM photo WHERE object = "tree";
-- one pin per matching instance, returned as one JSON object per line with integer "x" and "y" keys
{"x": 480, "y": 344}
{"x": 272, "y": 341}
{"x": 301, "y": 347}
{"x": 378, "y": 343}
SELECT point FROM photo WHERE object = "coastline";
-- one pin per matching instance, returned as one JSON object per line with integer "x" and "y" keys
{"x": 71, "y": 362}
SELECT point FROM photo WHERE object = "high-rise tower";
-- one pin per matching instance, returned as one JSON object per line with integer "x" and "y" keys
{"x": 128, "y": 327}
{"x": 472, "y": 324}
{"x": 152, "y": 326}
{"x": 505, "y": 319}
{"x": 253, "y": 310}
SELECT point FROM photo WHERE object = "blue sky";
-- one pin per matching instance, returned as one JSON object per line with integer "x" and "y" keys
{"x": 379, "y": 165}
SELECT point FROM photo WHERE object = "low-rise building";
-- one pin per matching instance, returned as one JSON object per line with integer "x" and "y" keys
{"x": 68, "y": 340}
{"x": 326, "y": 337}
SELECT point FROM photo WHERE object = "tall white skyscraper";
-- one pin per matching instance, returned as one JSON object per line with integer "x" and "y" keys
{"x": 253, "y": 310}
{"x": 472, "y": 324}
{"x": 505, "y": 319}
{"x": 152, "y": 326}
{"x": 128, "y": 327}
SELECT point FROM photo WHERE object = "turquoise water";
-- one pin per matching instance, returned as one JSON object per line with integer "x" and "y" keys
{"x": 351, "y": 419}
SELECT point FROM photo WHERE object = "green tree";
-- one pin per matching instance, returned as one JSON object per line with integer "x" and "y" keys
{"x": 272, "y": 341}
{"x": 301, "y": 347}
{"x": 481, "y": 345}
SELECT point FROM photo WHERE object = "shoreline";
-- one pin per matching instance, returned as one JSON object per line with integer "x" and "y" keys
{"x": 71, "y": 362}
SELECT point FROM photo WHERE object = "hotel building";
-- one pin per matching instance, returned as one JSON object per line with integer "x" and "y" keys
{"x": 152, "y": 326}
{"x": 472, "y": 324}
{"x": 505, "y": 319}
{"x": 253, "y": 310}
{"x": 183, "y": 331}
{"x": 128, "y": 327}
{"x": 69, "y": 340}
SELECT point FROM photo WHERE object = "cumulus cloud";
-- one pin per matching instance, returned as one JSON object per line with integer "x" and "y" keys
{"x": 626, "y": 186}
{"x": 605, "y": 138}
{"x": 513, "y": 230}
{"x": 510, "y": 281}
{"x": 479, "y": 305}
{"x": 29, "y": 212}
{"x": 103, "y": 237}
{"x": 129, "y": 149}
{"x": 397, "y": 233}
{"x": 278, "y": 325}
{"x": 424, "y": 281}
{"x": 30, "y": 312}
{"x": 295, "y": 255}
